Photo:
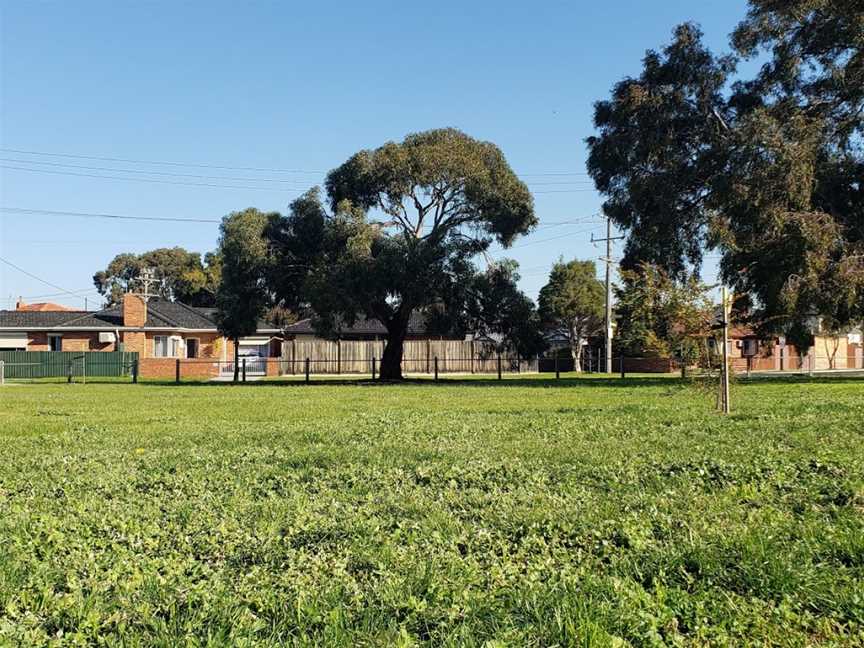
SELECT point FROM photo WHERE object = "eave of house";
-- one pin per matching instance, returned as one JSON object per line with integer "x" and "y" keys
{"x": 128, "y": 329}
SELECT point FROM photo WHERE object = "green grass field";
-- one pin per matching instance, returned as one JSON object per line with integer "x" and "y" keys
{"x": 588, "y": 512}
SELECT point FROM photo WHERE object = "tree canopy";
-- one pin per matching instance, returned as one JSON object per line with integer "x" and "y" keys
{"x": 572, "y": 303}
{"x": 402, "y": 225}
{"x": 243, "y": 296}
{"x": 497, "y": 310}
{"x": 180, "y": 275}
{"x": 661, "y": 317}
{"x": 766, "y": 170}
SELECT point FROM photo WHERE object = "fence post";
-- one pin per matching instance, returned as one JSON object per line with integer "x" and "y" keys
{"x": 499, "y": 365}
{"x": 621, "y": 360}
{"x": 338, "y": 357}
{"x": 373, "y": 367}
{"x": 436, "y": 368}
{"x": 307, "y": 370}
{"x": 244, "y": 369}
{"x": 135, "y": 371}
{"x": 69, "y": 373}
{"x": 557, "y": 372}
{"x": 177, "y": 370}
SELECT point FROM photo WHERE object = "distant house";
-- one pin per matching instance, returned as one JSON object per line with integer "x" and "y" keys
{"x": 159, "y": 331}
{"x": 40, "y": 306}
{"x": 829, "y": 351}
{"x": 363, "y": 329}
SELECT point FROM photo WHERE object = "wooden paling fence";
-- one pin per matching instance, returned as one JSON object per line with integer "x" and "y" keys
{"x": 356, "y": 356}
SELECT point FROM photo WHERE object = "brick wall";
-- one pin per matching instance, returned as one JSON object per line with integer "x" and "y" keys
{"x": 644, "y": 365}
{"x": 85, "y": 342}
{"x": 72, "y": 341}
{"x": 157, "y": 368}
{"x": 166, "y": 368}
{"x": 134, "y": 310}
{"x": 37, "y": 341}
{"x": 137, "y": 342}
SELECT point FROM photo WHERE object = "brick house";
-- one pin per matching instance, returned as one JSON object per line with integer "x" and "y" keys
{"x": 160, "y": 331}
{"x": 828, "y": 352}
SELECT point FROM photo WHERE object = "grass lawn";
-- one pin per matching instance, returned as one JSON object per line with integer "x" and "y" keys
{"x": 524, "y": 513}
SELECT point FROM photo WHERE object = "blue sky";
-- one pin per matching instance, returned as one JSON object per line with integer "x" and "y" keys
{"x": 291, "y": 86}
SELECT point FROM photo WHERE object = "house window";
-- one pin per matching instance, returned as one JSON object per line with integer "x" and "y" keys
{"x": 191, "y": 347}
{"x": 55, "y": 342}
{"x": 160, "y": 346}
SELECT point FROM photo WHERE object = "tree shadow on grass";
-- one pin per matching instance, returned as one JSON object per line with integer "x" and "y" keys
{"x": 508, "y": 382}
{"x": 571, "y": 381}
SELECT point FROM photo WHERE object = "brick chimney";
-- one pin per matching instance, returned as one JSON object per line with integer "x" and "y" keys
{"x": 20, "y": 304}
{"x": 134, "y": 310}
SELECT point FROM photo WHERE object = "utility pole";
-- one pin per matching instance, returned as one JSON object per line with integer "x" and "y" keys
{"x": 148, "y": 276}
{"x": 724, "y": 384}
{"x": 608, "y": 259}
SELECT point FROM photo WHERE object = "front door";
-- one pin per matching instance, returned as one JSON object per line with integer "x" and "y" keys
{"x": 192, "y": 347}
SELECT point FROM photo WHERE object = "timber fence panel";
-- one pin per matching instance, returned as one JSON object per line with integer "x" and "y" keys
{"x": 355, "y": 357}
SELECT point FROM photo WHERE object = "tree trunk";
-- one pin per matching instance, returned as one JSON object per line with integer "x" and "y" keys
{"x": 577, "y": 357}
{"x": 576, "y": 350}
{"x": 391, "y": 359}
{"x": 236, "y": 359}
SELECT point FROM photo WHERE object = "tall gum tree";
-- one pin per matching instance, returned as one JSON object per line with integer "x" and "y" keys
{"x": 768, "y": 169}
{"x": 404, "y": 222}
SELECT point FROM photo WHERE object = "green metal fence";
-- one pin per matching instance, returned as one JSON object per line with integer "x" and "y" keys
{"x": 29, "y": 365}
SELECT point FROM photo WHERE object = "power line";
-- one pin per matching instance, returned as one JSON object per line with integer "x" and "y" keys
{"x": 47, "y": 212}
{"x": 159, "y": 162}
{"x": 57, "y": 294}
{"x": 551, "y": 238}
{"x": 544, "y": 175}
{"x": 170, "y": 182}
{"x": 295, "y": 190}
{"x": 211, "y": 177}
{"x": 32, "y": 276}
{"x": 551, "y": 191}
{"x": 228, "y": 167}
{"x": 148, "y": 172}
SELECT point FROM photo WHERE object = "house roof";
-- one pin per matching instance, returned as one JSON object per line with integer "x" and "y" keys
{"x": 363, "y": 326}
{"x": 37, "y": 319}
{"x": 161, "y": 314}
{"x": 43, "y": 306}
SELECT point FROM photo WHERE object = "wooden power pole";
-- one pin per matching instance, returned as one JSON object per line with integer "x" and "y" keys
{"x": 608, "y": 259}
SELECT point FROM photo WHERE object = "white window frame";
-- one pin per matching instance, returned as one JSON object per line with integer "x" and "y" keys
{"x": 167, "y": 347}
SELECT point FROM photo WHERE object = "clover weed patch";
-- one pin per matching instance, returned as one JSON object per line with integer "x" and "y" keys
{"x": 590, "y": 512}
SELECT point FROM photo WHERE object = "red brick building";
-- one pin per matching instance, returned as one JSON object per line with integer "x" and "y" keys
{"x": 160, "y": 331}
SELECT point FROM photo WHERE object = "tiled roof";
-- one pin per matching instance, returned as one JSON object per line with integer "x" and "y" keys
{"x": 37, "y": 319}
{"x": 177, "y": 315}
{"x": 161, "y": 314}
{"x": 43, "y": 306}
{"x": 363, "y": 326}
